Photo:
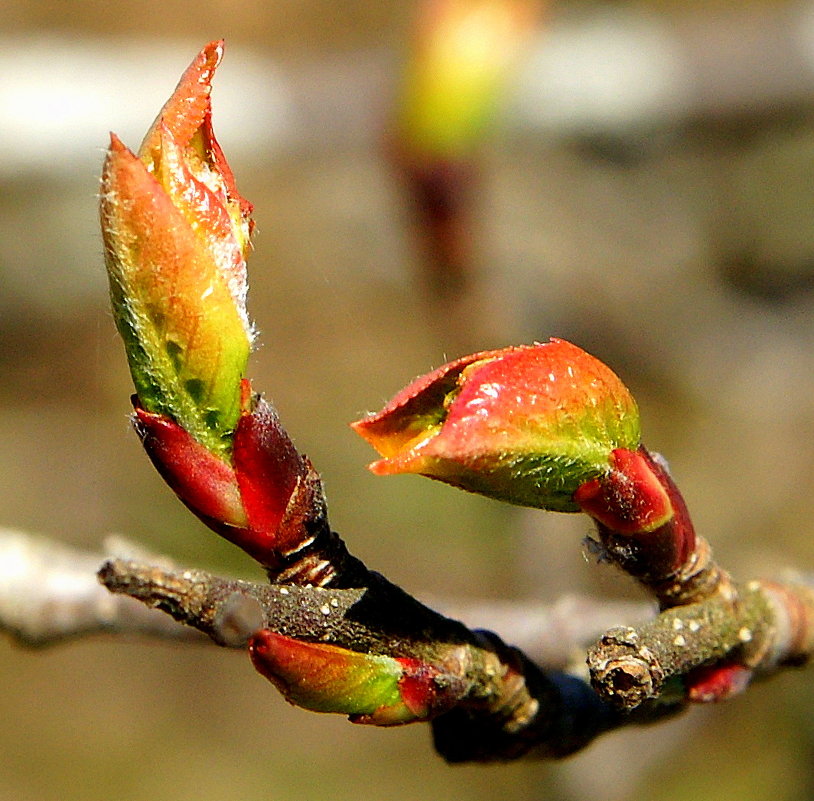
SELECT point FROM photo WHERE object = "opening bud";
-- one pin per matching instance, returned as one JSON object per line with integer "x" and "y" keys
{"x": 527, "y": 425}
{"x": 176, "y": 233}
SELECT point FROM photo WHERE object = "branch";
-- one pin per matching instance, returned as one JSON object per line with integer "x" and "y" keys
{"x": 49, "y": 592}
{"x": 753, "y": 629}
{"x": 510, "y": 708}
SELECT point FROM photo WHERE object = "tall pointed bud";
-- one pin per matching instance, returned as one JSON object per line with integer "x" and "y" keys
{"x": 176, "y": 233}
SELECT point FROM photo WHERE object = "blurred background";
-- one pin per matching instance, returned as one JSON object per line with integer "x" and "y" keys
{"x": 646, "y": 191}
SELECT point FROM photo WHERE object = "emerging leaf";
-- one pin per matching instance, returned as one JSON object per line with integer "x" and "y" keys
{"x": 527, "y": 424}
{"x": 176, "y": 233}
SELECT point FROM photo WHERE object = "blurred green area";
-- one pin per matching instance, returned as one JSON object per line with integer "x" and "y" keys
{"x": 687, "y": 266}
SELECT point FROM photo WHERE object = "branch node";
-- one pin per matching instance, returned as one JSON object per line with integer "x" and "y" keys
{"x": 624, "y": 670}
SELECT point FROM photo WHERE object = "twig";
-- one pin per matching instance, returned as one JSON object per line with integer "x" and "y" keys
{"x": 510, "y": 708}
{"x": 758, "y": 627}
{"x": 49, "y": 593}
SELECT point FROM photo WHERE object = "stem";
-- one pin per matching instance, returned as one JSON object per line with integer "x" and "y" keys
{"x": 511, "y": 708}
{"x": 760, "y": 626}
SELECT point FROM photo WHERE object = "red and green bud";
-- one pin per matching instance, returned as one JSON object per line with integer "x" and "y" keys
{"x": 369, "y": 688}
{"x": 176, "y": 233}
{"x": 528, "y": 425}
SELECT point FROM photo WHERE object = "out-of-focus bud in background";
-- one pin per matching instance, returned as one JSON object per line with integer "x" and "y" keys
{"x": 455, "y": 82}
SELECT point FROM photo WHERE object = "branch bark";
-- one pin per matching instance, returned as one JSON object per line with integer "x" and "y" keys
{"x": 511, "y": 708}
{"x": 760, "y": 627}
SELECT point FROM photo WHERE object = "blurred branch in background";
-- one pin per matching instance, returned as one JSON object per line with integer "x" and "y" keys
{"x": 49, "y": 593}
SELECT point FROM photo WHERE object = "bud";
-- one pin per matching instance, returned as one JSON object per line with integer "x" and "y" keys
{"x": 263, "y": 499}
{"x": 202, "y": 480}
{"x": 528, "y": 425}
{"x": 641, "y": 515}
{"x": 370, "y": 688}
{"x": 176, "y": 233}
{"x": 718, "y": 682}
{"x": 630, "y": 498}
{"x": 462, "y": 57}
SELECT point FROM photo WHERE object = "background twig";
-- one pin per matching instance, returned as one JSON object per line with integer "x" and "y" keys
{"x": 49, "y": 592}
